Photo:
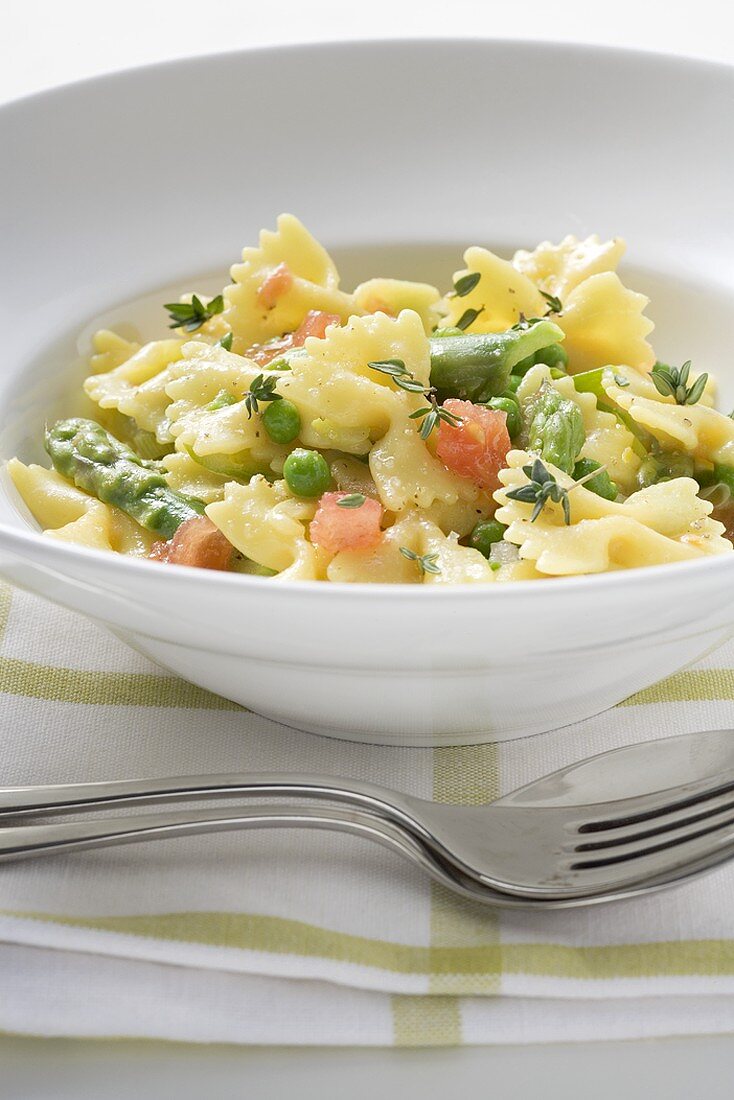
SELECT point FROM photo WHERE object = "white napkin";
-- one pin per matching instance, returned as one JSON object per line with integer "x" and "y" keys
{"x": 302, "y": 937}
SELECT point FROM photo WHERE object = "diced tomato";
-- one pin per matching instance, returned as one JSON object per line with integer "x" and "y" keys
{"x": 274, "y": 285}
{"x": 262, "y": 354}
{"x": 197, "y": 542}
{"x": 477, "y": 447}
{"x": 315, "y": 323}
{"x": 376, "y": 305}
{"x": 336, "y": 527}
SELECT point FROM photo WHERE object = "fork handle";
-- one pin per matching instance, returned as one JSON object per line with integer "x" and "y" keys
{"x": 82, "y": 797}
{"x": 62, "y": 797}
{"x": 25, "y": 841}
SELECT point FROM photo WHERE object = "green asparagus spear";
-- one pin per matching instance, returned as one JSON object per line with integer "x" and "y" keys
{"x": 124, "y": 428}
{"x": 592, "y": 381}
{"x": 556, "y": 431}
{"x": 95, "y": 461}
{"x": 477, "y": 367}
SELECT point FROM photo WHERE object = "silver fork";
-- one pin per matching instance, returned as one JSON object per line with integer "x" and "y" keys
{"x": 538, "y": 854}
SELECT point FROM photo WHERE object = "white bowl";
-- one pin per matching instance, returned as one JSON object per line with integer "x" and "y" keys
{"x": 397, "y": 155}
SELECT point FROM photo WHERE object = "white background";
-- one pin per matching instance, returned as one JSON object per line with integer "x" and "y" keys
{"x": 49, "y": 42}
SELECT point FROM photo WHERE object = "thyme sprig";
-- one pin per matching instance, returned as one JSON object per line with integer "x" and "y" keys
{"x": 226, "y": 341}
{"x": 673, "y": 382}
{"x": 261, "y": 389}
{"x": 427, "y": 563}
{"x": 544, "y": 487}
{"x": 431, "y": 414}
{"x": 401, "y": 376}
{"x": 192, "y": 315}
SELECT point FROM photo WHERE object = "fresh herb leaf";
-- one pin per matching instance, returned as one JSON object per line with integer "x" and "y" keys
{"x": 407, "y": 382}
{"x": 279, "y": 364}
{"x": 433, "y": 412}
{"x": 621, "y": 381}
{"x": 554, "y": 304}
{"x": 673, "y": 382}
{"x": 427, "y": 563}
{"x": 261, "y": 389}
{"x": 468, "y": 317}
{"x": 192, "y": 315}
{"x": 226, "y": 341}
{"x": 542, "y": 487}
{"x": 352, "y": 500}
{"x": 466, "y": 284}
{"x": 695, "y": 393}
{"x": 431, "y": 415}
{"x": 401, "y": 376}
{"x": 391, "y": 367}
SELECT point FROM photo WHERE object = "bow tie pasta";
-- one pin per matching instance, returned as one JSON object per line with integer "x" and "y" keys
{"x": 666, "y": 522}
{"x": 602, "y": 320}
{"x": 514, "y": 428}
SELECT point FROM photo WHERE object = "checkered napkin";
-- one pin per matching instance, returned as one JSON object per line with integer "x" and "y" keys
{"x": 315, "y": 938}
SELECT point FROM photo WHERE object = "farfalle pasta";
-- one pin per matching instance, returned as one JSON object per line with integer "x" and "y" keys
{"x": 665, "y": 522}
{"x": 515, "y": 427}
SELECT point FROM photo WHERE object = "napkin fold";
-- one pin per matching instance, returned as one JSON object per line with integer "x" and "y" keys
{"x": 303, "y": 937}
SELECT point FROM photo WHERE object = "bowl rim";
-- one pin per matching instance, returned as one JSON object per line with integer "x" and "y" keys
{"x": 121, "y": 566}
{"x": 631, "y": 54}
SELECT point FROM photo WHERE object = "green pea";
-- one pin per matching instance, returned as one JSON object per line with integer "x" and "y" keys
{"x": 514, "y": 382}
{"x": 648, "y": 472}
{"x": 724, "y": 475}
{"x": 307, "y": 473}
{"x": 553, "y": 356}
{"x": 602, "y": 484}
{"x": 508, "y": 404}
{"x": 663, "y": 467}
{"x": 485, "y": 534}
{"x": 683, "y": 466}
{"x": 282, "y": 421}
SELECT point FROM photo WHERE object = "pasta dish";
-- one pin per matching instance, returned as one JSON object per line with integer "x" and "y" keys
{"x": 518, "y": 427}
